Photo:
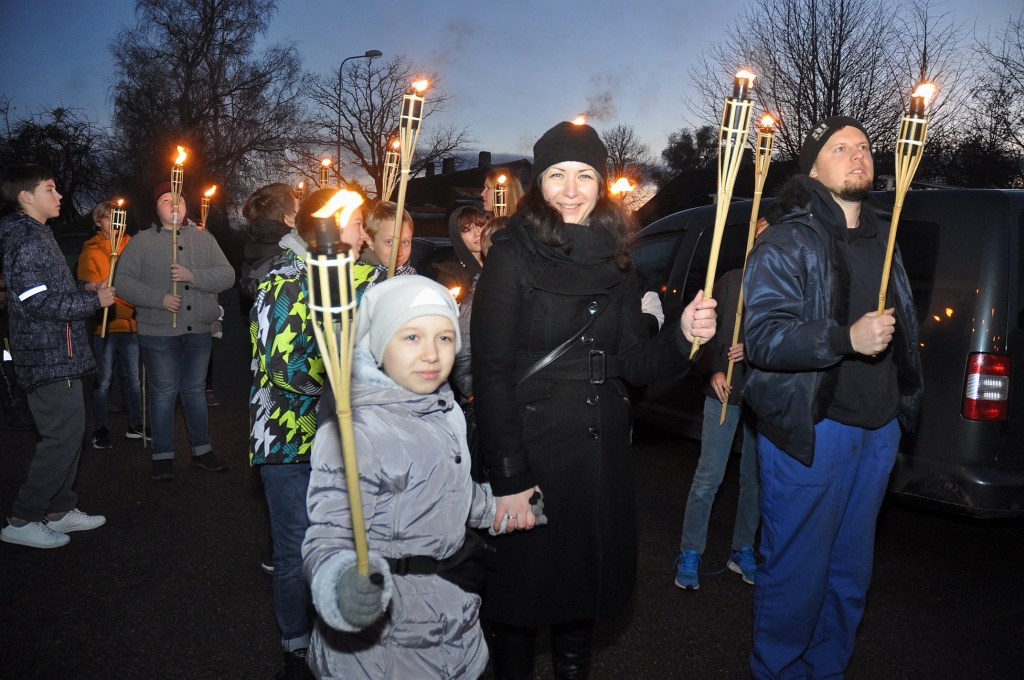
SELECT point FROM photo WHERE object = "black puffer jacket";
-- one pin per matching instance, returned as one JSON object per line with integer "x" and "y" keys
{"x": 797, "y": 296}
{"x": 260, "y": 246}
{"x": 49, "y": 338}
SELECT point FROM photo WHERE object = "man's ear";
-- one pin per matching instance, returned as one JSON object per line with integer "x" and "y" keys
{"x": 25, "y": 197}
{"x": 813, "y": 174}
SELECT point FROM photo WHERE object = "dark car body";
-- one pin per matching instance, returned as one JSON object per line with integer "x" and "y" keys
{"x": 962, "y": 250}
{"x": 426, "y": 250}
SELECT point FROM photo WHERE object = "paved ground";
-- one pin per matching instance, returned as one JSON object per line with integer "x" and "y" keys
{"x": 171, "y": 586}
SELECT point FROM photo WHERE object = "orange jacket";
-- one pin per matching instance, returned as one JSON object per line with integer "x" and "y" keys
{"x": 94, "y": 265}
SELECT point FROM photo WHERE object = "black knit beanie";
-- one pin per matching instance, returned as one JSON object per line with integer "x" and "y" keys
{"x": 569, "y": 142}
{"x": 819, "y": 134}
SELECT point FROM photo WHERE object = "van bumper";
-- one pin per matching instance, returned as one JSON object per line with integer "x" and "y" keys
{"x": 973, "y": 491}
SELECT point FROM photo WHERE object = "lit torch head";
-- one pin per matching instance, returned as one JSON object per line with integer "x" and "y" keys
{"x": 326, "y": 162}
{"x": 211, "y": 191}
{"x": 767, "y": 122}
{"x": 182, "y": 155}
{"x": 502, "y": 179}
{"x": 455, "y": 291}
{"x": 420, "y": 86}
{"x": 621, "y": 186}
{"x": 926, "y": 91}
{"x": 344, "y": 203}
{"x": 742, "y": 83}
{"x": 579, "y": 120}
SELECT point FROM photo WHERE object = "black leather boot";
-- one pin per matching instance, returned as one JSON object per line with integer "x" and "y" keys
{"x": 512, "y": 651}
{"x": 570, "y": 649}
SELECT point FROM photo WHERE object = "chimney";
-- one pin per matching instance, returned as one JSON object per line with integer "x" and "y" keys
{"x": 430, "y": 169}
{"x": 485, "y": 159}
{"x": 447, "y": 165}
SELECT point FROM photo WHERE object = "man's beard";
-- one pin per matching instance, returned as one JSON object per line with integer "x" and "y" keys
{"x": 853, "y": 193}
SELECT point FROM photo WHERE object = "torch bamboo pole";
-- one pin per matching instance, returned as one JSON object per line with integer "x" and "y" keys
{"x": 732, "y": 139}
{"x": 177, "y": 180}
{"x": 118, "y": 223}
{"x": 909, "y": 150}
{"x": 408, "y": 134}
{"x": 499, "y": 199}
{"x": 762, "y": 159}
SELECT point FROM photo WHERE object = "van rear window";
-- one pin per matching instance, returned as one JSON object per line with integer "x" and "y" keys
{"x": 731, "y": 256}
{"x": 651, "y": 258}
{"x": 919, "y": 248}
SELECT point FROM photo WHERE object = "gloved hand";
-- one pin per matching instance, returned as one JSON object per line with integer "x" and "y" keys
{"x": 359, "y": 597}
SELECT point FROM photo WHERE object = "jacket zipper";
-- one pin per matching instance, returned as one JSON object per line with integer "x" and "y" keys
{"x": 68, "y": 326}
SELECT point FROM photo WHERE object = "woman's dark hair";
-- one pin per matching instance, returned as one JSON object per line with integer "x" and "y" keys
{"x": 547, "y": 222}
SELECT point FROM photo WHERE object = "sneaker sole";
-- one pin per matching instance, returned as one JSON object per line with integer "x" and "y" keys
{"x": 685, "y": 587}
{"x": 28, "y": 544}
{"x": 269, "y": 571}
{"x": 131, "y": 435}
{"x": 100, "y": 447}
{"x": 736, "y": 568}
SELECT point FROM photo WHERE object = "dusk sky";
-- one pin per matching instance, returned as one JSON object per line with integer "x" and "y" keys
{"x": 514, "y": 68}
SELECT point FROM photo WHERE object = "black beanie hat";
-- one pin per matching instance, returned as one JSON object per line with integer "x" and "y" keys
{"x": 569, "y": 142}
{"x": 819, "y": 134}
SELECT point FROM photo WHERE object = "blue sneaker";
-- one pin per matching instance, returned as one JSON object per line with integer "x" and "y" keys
{"x": 686, "y": 575}
{"x": 743, "y": 563}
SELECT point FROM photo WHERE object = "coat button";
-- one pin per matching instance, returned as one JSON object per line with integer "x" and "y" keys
{"x": 592, "y": 400}
{"x": 588, "y": 339}
{"x": 189, "y": 328}
{"x": 592, "y": 433}
{"x": 188, "y": 308}
{"x": 442, "y": 403}
{"x": 593, "y": 307}
{"x": 186, "y": 287}
{"x": 458, "y": 459}
{"x": 181, "y": 247}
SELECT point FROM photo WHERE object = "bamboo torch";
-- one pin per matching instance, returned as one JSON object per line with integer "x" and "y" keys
{"x": 408, "y": 134}
{"x": 392, "y": 162}
{"x": 332, "y": 305}
{"x": 909, "y": 149}
{"x": 732, "y": 139}
{"x": 300, "y": 189}
{"x": 177, "y": 180}
{"x": 325, "y": 173}
{"x": 499, "y": 199}
{"x": 204, "y": 205}
{"x": 118, "y": 222}
{"x": 762, "y": 158}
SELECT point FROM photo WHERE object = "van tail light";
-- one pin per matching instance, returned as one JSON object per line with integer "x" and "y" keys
{"x": 987, "y": 387}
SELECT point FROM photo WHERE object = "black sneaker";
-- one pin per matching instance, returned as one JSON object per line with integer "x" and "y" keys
{"x": 211, "y": 400}
{"x": 295, "y": 667}
{"x": 209, "y": 461}
{"x": 134, "y": 432}
{"x": 101, "y": 438}
{"x": 267, "y": 561}
{"x": 163, "y": 470}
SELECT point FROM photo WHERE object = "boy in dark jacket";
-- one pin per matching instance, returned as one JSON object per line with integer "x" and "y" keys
{"x": 50, "y": 349}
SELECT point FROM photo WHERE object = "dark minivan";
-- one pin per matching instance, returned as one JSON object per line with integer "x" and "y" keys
{"x": 963, "y": 250}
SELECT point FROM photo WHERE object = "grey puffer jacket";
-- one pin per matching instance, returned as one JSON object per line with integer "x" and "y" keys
{"x": 48, "y": 308}
{"x": 417, "y": 499}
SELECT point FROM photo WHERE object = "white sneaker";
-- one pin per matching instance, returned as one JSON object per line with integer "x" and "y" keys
{"x": 34, "y": 535}
{"x": 76, "y": 520}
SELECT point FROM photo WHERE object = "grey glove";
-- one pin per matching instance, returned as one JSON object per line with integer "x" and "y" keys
{"x": 359, "y": 597}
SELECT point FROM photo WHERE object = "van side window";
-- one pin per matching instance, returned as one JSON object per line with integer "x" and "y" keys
{"x": 651, "y": 258}
{"x": 919, "y": 248}
{"x": 731, "y": 256}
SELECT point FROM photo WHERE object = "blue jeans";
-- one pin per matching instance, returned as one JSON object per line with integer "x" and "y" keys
{"x": 715, "y": 446}
{"x": 285, "y": 487}
{"x": 817, "y": 544}
{"x": 176, "y": 365}
{"x": 125, "y": 346}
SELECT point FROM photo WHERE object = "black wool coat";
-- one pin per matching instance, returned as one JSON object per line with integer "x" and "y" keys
{"x": 559, "y": 429}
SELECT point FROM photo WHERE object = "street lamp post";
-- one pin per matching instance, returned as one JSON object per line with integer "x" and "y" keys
{"x": 371, "y": 55}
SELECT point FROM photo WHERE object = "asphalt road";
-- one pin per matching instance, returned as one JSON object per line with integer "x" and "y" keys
{"x": 171, "y": 586}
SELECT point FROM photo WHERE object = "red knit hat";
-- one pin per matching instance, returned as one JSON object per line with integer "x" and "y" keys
{"x": 161, "y": 189}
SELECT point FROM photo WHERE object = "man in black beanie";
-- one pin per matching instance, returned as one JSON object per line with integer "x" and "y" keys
{"x": 833, "y": 380}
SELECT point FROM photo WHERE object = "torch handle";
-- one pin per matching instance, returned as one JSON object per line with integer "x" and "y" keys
{"x": 890, "y": 249}
{"x": 396, "y": 240}
{"x": 355, "y": 501}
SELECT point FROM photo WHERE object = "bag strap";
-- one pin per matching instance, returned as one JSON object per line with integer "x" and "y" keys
{"x": 564, "y": 347}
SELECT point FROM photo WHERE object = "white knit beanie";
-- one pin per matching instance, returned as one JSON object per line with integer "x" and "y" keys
{"x": 387, "y": 306}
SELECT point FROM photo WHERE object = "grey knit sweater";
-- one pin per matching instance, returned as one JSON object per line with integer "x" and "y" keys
{"x": 143, "y": 277}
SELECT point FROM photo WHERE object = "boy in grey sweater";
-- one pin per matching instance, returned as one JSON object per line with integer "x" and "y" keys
{"x": 175, "y": 356}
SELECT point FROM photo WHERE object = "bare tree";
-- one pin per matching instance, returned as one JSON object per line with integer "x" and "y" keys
{"x": 628, "y": 156}
{"x": 999, "y": 92}
{"x": 820, "y": 58}
{"x": 356, "y": 114}
{"x": 187, "y": 73}
{"x": 67, "y": 143}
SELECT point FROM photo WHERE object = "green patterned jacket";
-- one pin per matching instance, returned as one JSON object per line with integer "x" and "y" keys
{"x": 288, "y": 371}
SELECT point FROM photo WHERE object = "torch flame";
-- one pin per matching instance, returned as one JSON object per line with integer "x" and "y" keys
{"x": 326, "y": 162}
{"x": 345, "y": 201}
{"x": 420, "y": 85}
{"x": 455, "y": 291}
{"x": 502, "y": 179}
{"x": 579, "y": 120}
{"x": 767, "y": 120}
{"x": 621, "y": 185}
{"x": 746, "y": 75}
{"x": 211, "y": 191}
{"x": 926, "y": 90}
{"x": 396, "y": 144}
{"x": 182, "y": 155}
{"x": 302, "y": 184}
{"x": 120, "y": 202}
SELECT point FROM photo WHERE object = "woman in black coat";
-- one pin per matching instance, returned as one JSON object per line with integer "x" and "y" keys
{"x": 559, "y": 272}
